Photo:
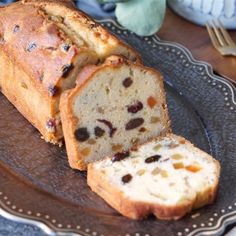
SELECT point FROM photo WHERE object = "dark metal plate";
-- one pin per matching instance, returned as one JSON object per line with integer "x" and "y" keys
{"x": 37, "y": 185}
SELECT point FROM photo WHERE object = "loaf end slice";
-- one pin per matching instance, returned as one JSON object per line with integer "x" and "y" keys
{"x": 114, "y": 106}
{"x": 167, "y": 177}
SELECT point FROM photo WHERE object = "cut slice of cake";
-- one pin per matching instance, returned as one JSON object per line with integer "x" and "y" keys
{"x": 114, "y": 106}
{"x": 167, "y": 177}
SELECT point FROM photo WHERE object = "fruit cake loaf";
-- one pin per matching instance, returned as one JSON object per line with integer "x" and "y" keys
{"x": 113, "y": 107}
{"x": 40, "y": 56}
{"x": 167, "y": 177}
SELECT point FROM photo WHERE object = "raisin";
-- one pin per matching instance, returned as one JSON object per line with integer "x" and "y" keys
{"x": 134, "y": 123}
{"x": 99, "y": 132}
{"x": 135, "y": 107}
{"x": 51, "y": 125}
{"x": 152, "y": 159}
{"x": 16, "y": 29}
{"x": 66, "y": 70}
{"x": 31, "y": 47}
{"x": 126, "y": 178}
{"x": 119, "y": 156}
{"x": 53, "y": 90}
{"x": 81, "y": 134}
{"x": 66, "y": 47}
{"x": 127, "y": 82}
{"x": 109, "y": 125}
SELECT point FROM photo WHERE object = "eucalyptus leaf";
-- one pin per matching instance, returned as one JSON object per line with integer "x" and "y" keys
{"x": 142, "y": 17}
{"x": 112, "y": 1}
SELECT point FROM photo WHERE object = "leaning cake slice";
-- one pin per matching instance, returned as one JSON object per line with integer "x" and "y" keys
{"x": 114, "y": 106}
{"x": 167, "y": 177}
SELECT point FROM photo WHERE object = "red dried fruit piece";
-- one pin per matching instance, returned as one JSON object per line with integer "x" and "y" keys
{"x": 119, "y": 156}
{"x": 127, "y": 82}
{"x": 126, "y": 178}
{"x": 99, "y": 132}
{"x": 51, "y": 125}
{"x": 82, "y": 134}
{"x": 134, "y": 123}
{"x": 135, "y": 107}
{"x": 151, "y": 101}
{"x": 109, "y": 125}
{"x": 152, "y": 159}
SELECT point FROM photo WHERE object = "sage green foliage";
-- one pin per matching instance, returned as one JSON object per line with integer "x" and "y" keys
{"x": 144, "y": 17}
{"x": 114, "y": 1}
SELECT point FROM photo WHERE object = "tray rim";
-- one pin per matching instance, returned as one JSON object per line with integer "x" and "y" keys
{"x": 47, "y": 227}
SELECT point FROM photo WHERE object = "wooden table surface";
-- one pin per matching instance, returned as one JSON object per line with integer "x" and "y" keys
{"x": 196, "y": 39}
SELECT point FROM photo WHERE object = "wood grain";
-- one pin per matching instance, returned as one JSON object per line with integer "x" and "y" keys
{"x": 196, "y": 39}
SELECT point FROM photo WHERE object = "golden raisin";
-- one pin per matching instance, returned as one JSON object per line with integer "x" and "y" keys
{"x": 178, "y": 165}
{"x": 85, "y": 151}
{"x": 151, "y": 101}
{"x": 156, "y": 171}
{"x": 164, "y": 173}
{"x": 157, "y": 147}
{"x": 177, "y": 156}
{"x": 91, "y": 141}
{"x": 155, "y": 119}
{"x": 116, "y": 147}
{"x": 141, "y": 172}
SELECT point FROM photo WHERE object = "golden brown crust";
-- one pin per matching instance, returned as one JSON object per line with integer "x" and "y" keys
{"x": 68, "y": 121}
{"x": 102, "y": 41}
{"x": 98, "y": 182}
{"x": 35, "y": 45}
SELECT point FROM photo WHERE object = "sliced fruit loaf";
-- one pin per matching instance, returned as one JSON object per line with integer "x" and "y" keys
{"x": 167, "y": 177}
{"x": 43, "y": 45}
{"x": 113, "y": 107}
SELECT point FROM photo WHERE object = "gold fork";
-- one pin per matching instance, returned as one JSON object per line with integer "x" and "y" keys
{"x": 221, "y": 38}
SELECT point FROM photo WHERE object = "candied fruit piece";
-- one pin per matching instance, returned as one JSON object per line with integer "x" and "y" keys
{"x": 178, "y": 165}
{"x": 151, "y": 101}
{"x": 193, "y": 168}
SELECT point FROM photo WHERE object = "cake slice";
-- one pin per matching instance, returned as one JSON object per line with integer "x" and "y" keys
{"x": 114, "y": 106}
{"x": 167, "y": 177}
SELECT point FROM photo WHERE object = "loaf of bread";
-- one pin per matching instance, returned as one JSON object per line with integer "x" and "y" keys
{"x": 43, "y": 45}
{"x": 167, "y": 177}
{"x": 113, "y": 107}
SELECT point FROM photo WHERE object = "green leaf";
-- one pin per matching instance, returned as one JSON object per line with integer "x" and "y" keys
{"x": 112, "y": 1}
{"x": 142, "y": 17}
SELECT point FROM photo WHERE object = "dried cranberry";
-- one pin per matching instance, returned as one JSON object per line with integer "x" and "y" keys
{"x": 16, "y": 29}
{"x": 134, "y": 123}
{"x": 127, "y": 178}
{"x": 135, "y": 107}
{"x": 82, "y": 134}
{"x": 66, "y": 70}
{"x": 127, "y": 82}
{"x": 99, "y": 132}
{"x": 53, "y": 90}
{"x": 109, "y": 125}
{"x": 152, "y": 159}
{"x": 31, "y": 47}
{"x": 119, "y": 156}
{"x": 51, "y": 125}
